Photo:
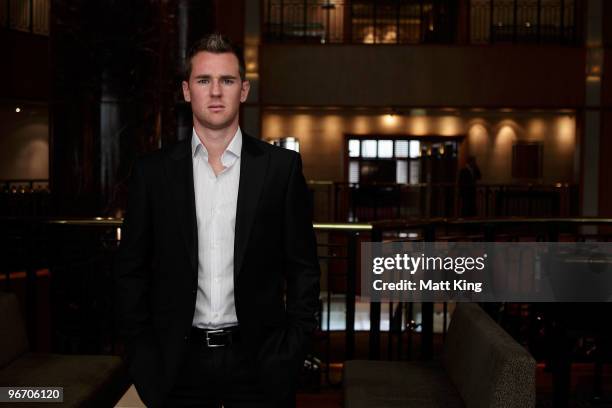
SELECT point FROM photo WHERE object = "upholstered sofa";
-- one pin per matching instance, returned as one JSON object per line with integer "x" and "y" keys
{"x": 88, "y": 380}
{"x": 482, "y": 366}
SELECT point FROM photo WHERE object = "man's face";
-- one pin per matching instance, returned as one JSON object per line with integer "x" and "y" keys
{"x": 215, "y": 89}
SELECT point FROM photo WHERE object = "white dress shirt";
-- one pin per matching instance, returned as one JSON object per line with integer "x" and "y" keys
{"x": 215, "y": 201}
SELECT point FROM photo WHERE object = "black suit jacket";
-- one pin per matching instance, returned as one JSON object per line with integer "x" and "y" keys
{"x": 276, "y": 271}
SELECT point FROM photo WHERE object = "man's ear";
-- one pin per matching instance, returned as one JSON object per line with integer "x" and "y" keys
{"x": 186, "y": 93}
{"x": 244, "y": 92}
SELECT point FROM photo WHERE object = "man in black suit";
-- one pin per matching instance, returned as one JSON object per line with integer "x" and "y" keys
{"x": 217, "y": 277}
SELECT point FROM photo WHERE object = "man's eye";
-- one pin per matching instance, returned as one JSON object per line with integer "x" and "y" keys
{"x": 203, "y": 81}
{"x": 228, "y": 81}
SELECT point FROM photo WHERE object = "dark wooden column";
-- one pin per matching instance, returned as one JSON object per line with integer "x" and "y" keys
{"x": 605, "y": 140}
{"x": 463, "y": 22}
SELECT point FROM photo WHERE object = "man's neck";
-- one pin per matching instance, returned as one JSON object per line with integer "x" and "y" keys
{"x": 215, "y": 140}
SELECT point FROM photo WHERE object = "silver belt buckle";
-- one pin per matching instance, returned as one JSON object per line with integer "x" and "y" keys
{"x": 208, "y": 338}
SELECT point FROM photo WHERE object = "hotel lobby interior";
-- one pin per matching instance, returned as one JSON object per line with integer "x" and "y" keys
{"x": 459, "y": 122}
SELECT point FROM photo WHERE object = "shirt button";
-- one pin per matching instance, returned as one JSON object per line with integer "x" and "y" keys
{"x": 193, "y": 291}
{"x": 185, "y": 338}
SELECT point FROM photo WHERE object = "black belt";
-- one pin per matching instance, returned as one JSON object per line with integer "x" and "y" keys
{"x": 216, "y": 337}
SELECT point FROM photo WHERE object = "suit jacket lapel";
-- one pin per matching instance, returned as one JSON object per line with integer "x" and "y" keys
{"x": 180, "y": 178}
{"x": 253, "y": 166}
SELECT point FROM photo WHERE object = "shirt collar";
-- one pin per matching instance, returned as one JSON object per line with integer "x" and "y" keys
{"x": 234, "y": 147}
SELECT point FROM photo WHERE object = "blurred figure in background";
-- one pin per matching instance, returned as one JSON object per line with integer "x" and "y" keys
{"x": 468, "y": 177}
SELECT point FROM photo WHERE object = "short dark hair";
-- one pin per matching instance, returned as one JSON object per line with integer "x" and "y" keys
{"x": 217, "y": 44}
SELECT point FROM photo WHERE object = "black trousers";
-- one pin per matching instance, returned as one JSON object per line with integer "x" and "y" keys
{"x": 221, "y": 376}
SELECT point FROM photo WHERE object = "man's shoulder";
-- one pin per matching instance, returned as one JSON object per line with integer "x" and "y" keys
{"x": 156, "y": 157}
{"x": 276, "y": 153}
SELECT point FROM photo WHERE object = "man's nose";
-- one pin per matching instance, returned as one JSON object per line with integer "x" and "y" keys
{"x": 215, "y": 89}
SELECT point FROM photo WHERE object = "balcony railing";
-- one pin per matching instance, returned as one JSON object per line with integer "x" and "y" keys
{"x": 524, "y": 21}
{"x": 421, "y": 21}
{"x": 25, "y": 197}
{"x": 30, "y": 16}
{"x": 316, "y": 22}
{"x": 365, "y": 202}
